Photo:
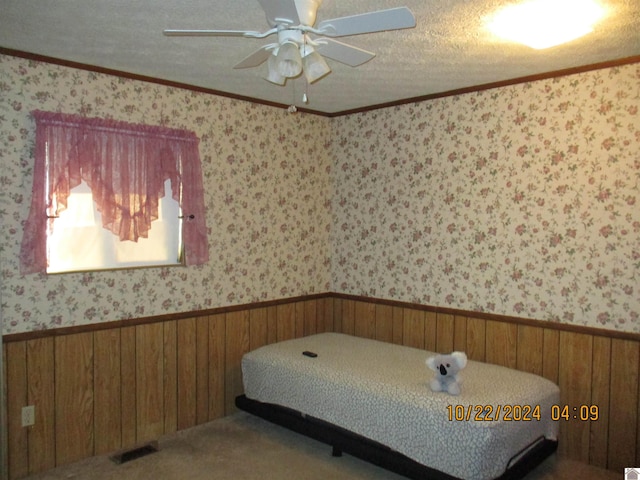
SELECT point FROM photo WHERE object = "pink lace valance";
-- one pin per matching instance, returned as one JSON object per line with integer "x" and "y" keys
{"x": 125, "y": 165}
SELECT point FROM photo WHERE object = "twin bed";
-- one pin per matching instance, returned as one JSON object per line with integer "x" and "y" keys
{"x": 372, "y": 400}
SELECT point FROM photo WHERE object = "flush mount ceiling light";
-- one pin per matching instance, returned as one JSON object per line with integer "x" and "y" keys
{"x": 542, "y": 24}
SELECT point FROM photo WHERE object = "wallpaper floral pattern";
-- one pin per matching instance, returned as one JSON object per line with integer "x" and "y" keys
{"x": 266, "y": 185}
{"x": 522, "y": 201}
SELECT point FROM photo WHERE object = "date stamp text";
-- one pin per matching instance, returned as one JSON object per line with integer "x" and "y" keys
{"x": 520, "y": 413}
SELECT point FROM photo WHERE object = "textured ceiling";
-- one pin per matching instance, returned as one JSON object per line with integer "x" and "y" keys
{"x": 449, "y": 49}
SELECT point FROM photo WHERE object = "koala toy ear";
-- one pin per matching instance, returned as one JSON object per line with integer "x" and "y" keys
{"x": 461, "y": 359}
{"x": 431, "y": 363}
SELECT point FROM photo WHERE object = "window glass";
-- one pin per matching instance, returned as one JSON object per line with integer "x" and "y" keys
{"x": 78, "y": 241}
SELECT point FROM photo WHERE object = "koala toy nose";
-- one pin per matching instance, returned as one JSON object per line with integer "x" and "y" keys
{"x": 443, "y": 371}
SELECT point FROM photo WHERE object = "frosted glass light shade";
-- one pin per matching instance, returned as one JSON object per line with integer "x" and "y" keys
{"x": 289, "y": 61}
{"x": 315, "y": 67}
{"x": 273, "y": 75}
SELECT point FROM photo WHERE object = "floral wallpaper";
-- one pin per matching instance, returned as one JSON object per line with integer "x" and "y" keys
{"x": 266, "y": 182}
{"x": 521, "y": 201}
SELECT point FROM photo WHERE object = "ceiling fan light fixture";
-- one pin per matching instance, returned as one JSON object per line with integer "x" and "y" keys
{"x": 289, "y": 62}
{"x": 294, "y": 22}
{"x": 273, "y": 75}
{"x": 314, "y": 66}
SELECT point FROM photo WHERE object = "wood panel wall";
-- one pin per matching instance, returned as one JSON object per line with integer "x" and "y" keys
{"x": 101, "y": 391}
{"x": 590, "y": 368}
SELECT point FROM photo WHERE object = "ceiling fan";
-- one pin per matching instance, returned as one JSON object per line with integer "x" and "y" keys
{"x": 296, "y": 51}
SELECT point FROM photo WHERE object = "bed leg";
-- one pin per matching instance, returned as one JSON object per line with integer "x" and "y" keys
{"x": 336, "y": 452}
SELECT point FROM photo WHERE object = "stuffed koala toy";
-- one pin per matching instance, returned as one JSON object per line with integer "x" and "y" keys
{"x": 447, "y": 368}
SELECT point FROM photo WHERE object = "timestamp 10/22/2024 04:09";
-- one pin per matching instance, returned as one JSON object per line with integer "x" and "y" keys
{"x": 520, "y": 413}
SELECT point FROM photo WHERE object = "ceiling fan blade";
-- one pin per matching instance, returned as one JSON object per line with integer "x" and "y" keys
{"x": 343, "y": 53}
{"x": 211, "y": 33}
{"x": 256, "y": 58}
{"x": 381, "y": 20}
{"x": 279, "y": 11}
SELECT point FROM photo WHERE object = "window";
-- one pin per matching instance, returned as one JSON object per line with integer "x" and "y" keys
{"x": 145, "y": 183}
{"x": 78, "y": 241}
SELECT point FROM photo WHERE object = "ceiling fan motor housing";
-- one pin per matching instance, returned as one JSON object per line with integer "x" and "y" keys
{"x": 290, "y": 35}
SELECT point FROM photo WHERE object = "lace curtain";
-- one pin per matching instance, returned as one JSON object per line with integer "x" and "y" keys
{"x": 125, "y": 165}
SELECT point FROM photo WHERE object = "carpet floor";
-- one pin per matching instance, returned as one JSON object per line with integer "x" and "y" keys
{"x": 244, "y": 447}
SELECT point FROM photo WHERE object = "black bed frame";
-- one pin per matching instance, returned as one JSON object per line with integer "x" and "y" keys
{"x": 342, "y": 440}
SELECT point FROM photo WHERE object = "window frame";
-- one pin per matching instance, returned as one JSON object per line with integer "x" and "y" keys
{"x": 74, "y": 148}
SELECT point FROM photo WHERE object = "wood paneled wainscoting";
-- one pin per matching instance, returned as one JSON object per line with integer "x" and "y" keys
{"x": 591, "y": 366}
{"x": 112, "y": 386}
{"x": 118, "y": 385}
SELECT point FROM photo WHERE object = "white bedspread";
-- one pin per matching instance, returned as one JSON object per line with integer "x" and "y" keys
{"x": 380, "y": 391}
